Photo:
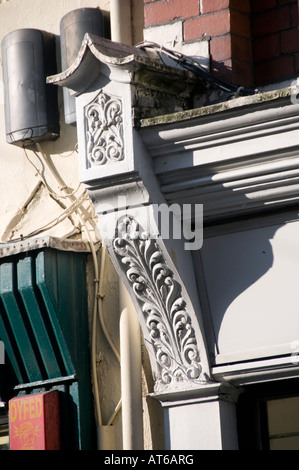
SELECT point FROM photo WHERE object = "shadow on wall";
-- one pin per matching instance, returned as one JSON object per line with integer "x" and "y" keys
{"x": 250, "y": 270}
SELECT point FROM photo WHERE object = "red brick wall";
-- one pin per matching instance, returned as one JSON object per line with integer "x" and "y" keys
{"x": 227, "y": 22}
{"x": 251, "y": 41}
{"x": 275, "y": 39}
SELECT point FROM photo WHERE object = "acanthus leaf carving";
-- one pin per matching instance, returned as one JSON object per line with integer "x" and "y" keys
{"x": 159, "y": 296}
{"x": 104, "y": 129}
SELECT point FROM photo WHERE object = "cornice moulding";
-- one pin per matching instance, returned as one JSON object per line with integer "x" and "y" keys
{"x": 243, "y": 118}
{"x": 236, "y": 159}
{"x": 166, "y": 87}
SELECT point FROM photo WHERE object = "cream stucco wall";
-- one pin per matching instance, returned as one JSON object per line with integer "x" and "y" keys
{"x": 26, "y": 205}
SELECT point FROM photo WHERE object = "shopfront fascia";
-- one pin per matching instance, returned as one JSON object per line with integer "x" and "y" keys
{"x": 217, "y": 307}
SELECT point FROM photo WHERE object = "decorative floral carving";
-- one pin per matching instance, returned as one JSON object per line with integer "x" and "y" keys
{"x": 159, "y": 295}
{"x": 104, "y": 130}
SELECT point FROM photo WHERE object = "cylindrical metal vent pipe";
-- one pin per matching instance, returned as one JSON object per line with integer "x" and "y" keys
{"x": 73, "y": 26}
{"x": 121, "y": 21}
{"x": 31, "y": 108}
{"x": 131, "y": 376}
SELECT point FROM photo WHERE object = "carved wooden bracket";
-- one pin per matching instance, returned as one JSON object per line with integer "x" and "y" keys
{"x": 115, "y": 166}
{"x": 170, "y": 333}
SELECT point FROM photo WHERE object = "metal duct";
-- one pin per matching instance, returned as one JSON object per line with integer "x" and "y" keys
{"x": 73, "y": 26}
{"x": 31, "y": 108}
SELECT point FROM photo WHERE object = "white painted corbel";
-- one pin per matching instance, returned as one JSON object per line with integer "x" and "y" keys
{"x": 117, "y": 170}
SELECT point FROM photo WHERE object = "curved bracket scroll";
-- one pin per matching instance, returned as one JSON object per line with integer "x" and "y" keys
{"x": 169, "y": 329}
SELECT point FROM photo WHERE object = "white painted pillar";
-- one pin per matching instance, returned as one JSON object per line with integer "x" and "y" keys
{"x": 203, "y": 422}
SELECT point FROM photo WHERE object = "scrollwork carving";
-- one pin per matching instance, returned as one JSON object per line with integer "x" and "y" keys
{"x": 104, "y": 128}
{"x": 164, "y": 310}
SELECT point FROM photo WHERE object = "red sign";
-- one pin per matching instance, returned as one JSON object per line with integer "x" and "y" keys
{"x": 34, "y": 422}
